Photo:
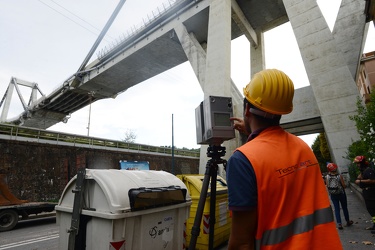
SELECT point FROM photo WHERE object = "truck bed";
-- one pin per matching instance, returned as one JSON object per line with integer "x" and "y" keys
{"x": 32, "y": 207}
{"x": 11, "y": 214}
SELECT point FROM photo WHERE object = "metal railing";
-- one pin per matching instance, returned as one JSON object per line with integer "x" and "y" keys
{"x": 14, "y": 132}
{"x": 136, "y": 29}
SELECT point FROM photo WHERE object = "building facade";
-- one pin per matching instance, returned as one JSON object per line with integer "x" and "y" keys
{"x": 366, "y": 76}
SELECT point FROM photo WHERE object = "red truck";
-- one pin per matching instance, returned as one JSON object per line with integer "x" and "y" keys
{"x": 12, "y": 209}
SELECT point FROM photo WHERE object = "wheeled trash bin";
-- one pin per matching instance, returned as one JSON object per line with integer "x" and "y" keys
{"x": 194, "y": 183}
{"x": 124, "y": 209}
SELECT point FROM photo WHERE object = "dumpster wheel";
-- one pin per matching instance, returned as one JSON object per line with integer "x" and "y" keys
{"x": 8, "y": 220}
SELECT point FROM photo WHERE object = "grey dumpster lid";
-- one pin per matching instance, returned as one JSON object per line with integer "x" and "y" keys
{"x": 107, "y": 189}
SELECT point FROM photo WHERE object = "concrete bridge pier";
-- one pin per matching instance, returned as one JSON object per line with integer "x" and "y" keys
{"x": 331, "y": 60}
{"x": 211, "y": 61}
{"x": 211, "y": 64}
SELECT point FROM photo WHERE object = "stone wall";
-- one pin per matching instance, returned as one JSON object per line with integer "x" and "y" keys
{"x": 40, "y": 172}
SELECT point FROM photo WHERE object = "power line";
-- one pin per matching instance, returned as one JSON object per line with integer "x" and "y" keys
{"x": 78, "y": 17}
{"x": 70, "y": 18}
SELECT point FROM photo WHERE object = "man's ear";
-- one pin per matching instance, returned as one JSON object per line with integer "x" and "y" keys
{"x": 247, "y": 110}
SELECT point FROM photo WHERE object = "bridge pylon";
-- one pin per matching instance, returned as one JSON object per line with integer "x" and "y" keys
{"x": 7, "y": 98}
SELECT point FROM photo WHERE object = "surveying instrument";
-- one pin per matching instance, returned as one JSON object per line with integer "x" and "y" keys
{"x": 213, "y": 127}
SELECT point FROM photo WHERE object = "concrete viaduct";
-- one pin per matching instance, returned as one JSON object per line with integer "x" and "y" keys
{"x": 201, "y": 31}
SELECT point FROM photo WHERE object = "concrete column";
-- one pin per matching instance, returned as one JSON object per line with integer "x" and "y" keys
{"x": 349, "y": 32}
{"x": 197, "y": 57}
{"x": 8, "y": 99}
{"x": 194, "y": 51}
{"x": 257, "y": 57}
{"x": 257, "y": 63}
{"x": 218, "y": 49}
{"x": 329, "y": 75}
{"x": 217, "y": 80}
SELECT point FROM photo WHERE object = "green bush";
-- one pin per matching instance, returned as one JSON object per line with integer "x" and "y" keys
{"x": 353, "y": 172}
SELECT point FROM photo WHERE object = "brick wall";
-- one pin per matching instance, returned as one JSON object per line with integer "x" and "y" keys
{"x": 40, "y": 172}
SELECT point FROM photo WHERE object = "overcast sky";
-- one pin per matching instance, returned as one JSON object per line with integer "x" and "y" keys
{"x": 45, "y": 41}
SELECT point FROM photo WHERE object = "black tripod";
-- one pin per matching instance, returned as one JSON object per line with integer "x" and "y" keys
{"x": 215, "y": 152}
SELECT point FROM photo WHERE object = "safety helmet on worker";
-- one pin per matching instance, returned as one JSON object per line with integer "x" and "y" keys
{"x": 360, "y": 159}
{"x": 332, "y": 167}
{"x": 271, "y": 91}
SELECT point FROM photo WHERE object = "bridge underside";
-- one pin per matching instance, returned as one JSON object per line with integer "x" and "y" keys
{"x": 144, "y": 55}
{"x": 305, "y": 118}
{"x": 330, "y": 59}
{"x": 304, "y": 127}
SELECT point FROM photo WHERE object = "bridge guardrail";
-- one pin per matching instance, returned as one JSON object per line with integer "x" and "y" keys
{"x": 16, "y": 132}
{"x": 136, "y": 29}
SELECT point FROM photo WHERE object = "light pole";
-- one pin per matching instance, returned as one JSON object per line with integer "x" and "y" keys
{"x": 91, "y": 94}
{"x": 172, "y": 148}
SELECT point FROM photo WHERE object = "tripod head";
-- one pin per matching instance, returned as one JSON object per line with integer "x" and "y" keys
{"x": 215, "y": 152}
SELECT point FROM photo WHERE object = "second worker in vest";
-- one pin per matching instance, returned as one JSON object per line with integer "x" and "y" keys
{"x": 276, "y": 192}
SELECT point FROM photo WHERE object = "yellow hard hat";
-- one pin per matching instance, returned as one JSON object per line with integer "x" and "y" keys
{"x": 272, "y": 91}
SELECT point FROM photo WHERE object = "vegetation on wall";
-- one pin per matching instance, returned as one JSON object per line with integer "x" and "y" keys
{"x": 131, "y": 136}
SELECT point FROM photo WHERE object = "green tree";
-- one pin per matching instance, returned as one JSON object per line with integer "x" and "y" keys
{"x": 365, "y": 122}
{"x": 356, "y": 148}
{"x": 130, "y": 136}
{"x": 321, "y": 152}
{"x": 324, "y": 147}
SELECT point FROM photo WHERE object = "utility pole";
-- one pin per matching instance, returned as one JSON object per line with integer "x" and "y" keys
{"x": 172, "y": 148}
{"x": 91, "y": 94}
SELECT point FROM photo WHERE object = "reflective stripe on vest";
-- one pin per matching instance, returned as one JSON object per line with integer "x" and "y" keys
{"x": 298, "y": 226}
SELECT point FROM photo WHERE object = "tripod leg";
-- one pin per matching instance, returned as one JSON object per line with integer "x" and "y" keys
{"x": 212, "y": 219}
{"x": 198, "y": 217}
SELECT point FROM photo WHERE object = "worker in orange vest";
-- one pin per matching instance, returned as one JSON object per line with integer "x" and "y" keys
{"x": 276, "y": 192}
{"x": 366, "y": 181}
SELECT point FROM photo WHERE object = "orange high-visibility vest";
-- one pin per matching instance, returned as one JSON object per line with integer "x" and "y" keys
{"x": 294, "y": 211}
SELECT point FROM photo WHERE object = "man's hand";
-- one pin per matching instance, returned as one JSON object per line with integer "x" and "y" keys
{"x": 239, "y": 125}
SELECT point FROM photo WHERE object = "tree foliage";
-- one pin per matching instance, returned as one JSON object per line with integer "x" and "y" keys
{"x": 356, "y": 148}
{"x": 184, "y": 148}
{"x": 365, "y": 123}
{"x": 130, "y": 136}
{"x": 321, "y": 152}
{"x": 324, "y": 150}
